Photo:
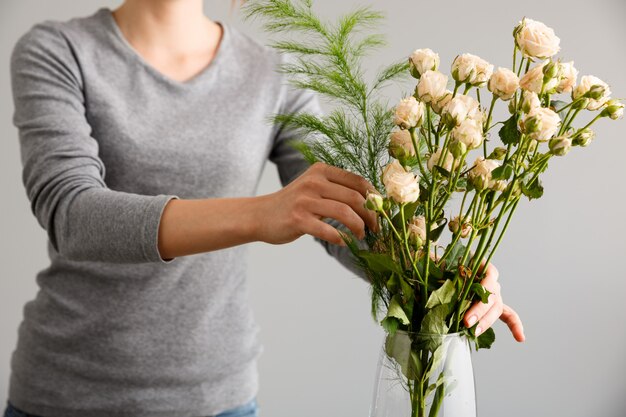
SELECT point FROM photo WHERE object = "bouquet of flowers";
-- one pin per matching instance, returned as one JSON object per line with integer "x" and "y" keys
{"x": 439, "y": 144}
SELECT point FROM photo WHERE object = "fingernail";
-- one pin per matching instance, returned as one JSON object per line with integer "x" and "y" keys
{"x": 479, "y": 330}
{"x": 472, "y": 320}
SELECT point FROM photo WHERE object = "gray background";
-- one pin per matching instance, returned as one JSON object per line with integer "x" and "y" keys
{"x": 561, "y": 264}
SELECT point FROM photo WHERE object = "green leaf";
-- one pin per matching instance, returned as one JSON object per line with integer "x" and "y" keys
{"x": 509, "y": 132}
{"x": 443, "y": 295}
{"x": 409, "y": 211}
{"x": 481, "y": 292}
{"x": 434, "y": 234}
{"x": 503, "y": 172}
{"x": 486, "y": 339}
{"x": 558, "y": 105}
{"x": 390, "y": 324}
{"x": 393, "y": 283}
{"x": 534, "y": 190}
{"x": 442, "y": 171}
{"x": 395, "y": 310}
{"x": 434, "y": 321}
{"x": 436, "y": 359}
{"x": 398, "y": 348}
{"x": 380, "y": 262}
{"x": 454, "y": 256}
{"x": 416, "y": 369}
{"x": 407, "y": 292}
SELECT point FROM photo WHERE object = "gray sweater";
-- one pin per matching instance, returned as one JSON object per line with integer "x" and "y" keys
{"x": 106, "y": 141}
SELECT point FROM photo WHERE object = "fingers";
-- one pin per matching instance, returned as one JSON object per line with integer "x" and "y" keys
{"x": 339, "y": 211}
{"x": 478, "y": 310}
{"x": 491, "y": 275}
{"x": 513, "y": 321}
{"x": 322, "y": 230}
{"x": 345, "y": 178}
{"x": 490, "y": 317}
{"x": 352, "y": 198}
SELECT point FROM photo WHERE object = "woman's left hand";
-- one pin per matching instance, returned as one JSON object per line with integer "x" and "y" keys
{"x": 487, "y": 314}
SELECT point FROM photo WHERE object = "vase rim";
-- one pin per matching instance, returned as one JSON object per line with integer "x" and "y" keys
{"x": 455, "y": 334}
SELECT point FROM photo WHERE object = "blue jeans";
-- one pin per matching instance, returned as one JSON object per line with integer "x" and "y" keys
{"x": 247, "y": 410}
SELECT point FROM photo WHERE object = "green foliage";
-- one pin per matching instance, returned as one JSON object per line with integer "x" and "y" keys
{"x": 443, "y": 295}
{"x": 327, "y": 59}
{"x": 503, "y": 172}
{"x": 481, "y": 292}
{"x": 509, "y": 133}
{"x": 533, "y": 189}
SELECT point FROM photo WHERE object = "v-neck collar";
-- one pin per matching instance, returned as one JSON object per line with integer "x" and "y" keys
{"x": 130, "y": 50}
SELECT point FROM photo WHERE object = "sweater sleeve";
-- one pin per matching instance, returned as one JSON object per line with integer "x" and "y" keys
{"x": 62, "y": 171}
{"x": 292, "y": 164}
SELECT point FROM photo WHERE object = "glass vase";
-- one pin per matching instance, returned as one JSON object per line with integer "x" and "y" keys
{"x": 423, "y": 375}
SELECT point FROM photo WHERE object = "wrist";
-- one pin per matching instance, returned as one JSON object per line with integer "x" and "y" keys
{"x": 255, "y": 223}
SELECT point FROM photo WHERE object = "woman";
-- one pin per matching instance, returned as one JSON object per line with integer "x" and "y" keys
{"x": 143, "y": 135}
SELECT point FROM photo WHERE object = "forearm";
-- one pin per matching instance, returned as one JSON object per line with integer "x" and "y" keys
{"x": 202, "y": 225}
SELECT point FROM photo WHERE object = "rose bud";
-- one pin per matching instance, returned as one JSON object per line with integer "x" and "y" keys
{"x": 441, "y": 102}
{"x": 569, "y": 75}
{"x": 448, "y": 163}
{"x": 480, "y": 175}
{"x": 401, "y": 145}
{"x": 465, "y": 227}
{"x": 458, "y": 149}
{"x": 614, "y": 109}
{"x": 530, "y": 101}
{"x": 583, "y": 138}
{"x": 594, "y": 90}
{"x": 541, "y": 124}
{"x": 432, "y": 86}
{"x": 470, "y": 69}
{"x": 417, "y": 231}
{"x": 423, "y": 60}
{"x": 469, "y": 132}
{"x": 409, "y": 113}
{"x": 560, "y": 146}
{"x": 498, "y": 154}
{"x": 503, "y": 84}
{"x": 374, "y": 201}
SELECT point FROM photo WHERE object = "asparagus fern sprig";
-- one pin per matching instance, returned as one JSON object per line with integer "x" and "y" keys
{"x": 327, "y": 58}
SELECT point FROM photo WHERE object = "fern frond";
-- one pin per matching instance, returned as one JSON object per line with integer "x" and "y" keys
{"x": 392, "y": 72}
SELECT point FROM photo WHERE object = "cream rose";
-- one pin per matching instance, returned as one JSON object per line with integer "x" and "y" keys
{"x": 569, "y": 75}
{"x": 423, "y": 60}
{"x": 401, "y": 185}
{"x": 460, "y": 108}
{"x": 409, "y": 113}
{"x": 536, "y": 40}
{"x": 541, "y": 124}
{"x": 432, "y": 86}
{"x": 401, "y": 144}
{"x": 533, "y": 81}
{"x": 417, "y": 230}
{"x": 441, "y": 102}
{"x": 469, "y": 132}
{"x": 471, "y": 69}
{"x": 503, "y": 83}
{"x": 530, "y": 101}
{"x": 480, "y": 174}
{"x": 447, "y": 163}
{"x": 600, "y": 89}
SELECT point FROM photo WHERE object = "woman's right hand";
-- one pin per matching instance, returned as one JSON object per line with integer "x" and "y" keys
{"x": 322, "y": 191}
